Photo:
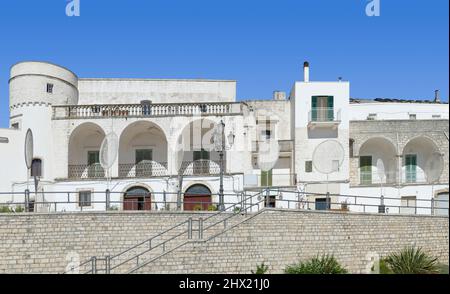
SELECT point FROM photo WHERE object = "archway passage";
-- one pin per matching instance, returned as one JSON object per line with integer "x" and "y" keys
{"x": 197, "y": 197}
{"x": 137, "y": 198}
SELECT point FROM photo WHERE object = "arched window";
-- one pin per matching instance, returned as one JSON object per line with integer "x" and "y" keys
{"x": 198, "y": 189}
{"x": 36, "y": 167}
{"x": 137, "y": 198}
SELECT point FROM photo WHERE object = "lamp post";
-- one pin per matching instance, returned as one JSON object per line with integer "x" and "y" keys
{"x": 220, "y": 146}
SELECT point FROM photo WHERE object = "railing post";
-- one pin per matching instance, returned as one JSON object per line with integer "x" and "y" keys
{"x": 165, "y": 200}
{"x": 108, "y": 199}
{"x": 94, "y": 265}
{"x": 432, "y": 206}
{"x": 200, "y": 228}
{"x": 267, "y": 197}
{"x": 27, "y": 200}
{"x": 108, "y": 264}
{"x": 328, "y": 201}
{"x": 190, "y": 228}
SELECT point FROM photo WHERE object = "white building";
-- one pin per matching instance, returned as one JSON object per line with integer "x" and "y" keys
{"x": 165, "y": 128}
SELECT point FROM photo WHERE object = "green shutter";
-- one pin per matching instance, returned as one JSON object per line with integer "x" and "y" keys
{"x": 365, "y": 169}
{"x": 314, "y": 108}
{"x": 266, "y": 178}
{"x": 330, "y": 106}
{"x": 93, "y": 157}
{"x": 411, "y": 168}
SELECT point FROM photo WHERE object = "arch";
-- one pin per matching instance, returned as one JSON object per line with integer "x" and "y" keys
{"x": 371, "y": 152}
{"x": 198, "y": 148}
{"x": 137, "y": 197}
{"x": 84, "y": 147}
{"x": 417, "y": 154}
{"x": 142, "y": 150}
{"x": 197, "y": 197}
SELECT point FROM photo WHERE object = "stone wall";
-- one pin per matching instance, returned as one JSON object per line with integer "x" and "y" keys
{"x": 40, "y": 243}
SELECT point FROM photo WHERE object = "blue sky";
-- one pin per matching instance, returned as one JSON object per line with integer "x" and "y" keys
{"x": 262, "y": 44}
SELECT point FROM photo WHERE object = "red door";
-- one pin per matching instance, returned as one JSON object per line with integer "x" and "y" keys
{"x": 197, "y": 202}
{"x": 137, "y": 203}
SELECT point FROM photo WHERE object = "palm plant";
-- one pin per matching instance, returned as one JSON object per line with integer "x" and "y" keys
{"x": 412, "y": 260}
{"x": 260, "y": 269}
{"x": 325, "y": 264}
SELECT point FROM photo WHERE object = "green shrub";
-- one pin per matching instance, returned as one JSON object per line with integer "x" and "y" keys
{"x": 7, "y": 209}
{"x": 212, "y": 207}
{"x": 197, "y": 207}
{"x": 412, "y": 260}
{"x": 237, "y": 209}
{"x": 325, "y": 264}
{"x": 261, "y": 269}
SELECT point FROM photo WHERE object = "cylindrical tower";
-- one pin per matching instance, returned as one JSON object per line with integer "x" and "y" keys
{"x": 33, "y": 88}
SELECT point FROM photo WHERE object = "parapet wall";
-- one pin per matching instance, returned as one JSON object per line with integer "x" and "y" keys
{"x": 40, "y": 243}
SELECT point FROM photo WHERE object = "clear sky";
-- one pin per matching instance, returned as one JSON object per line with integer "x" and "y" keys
{"x": 403, "y": 53}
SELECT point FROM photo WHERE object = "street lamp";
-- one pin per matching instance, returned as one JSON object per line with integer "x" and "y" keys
{"x": 220, "y": 146}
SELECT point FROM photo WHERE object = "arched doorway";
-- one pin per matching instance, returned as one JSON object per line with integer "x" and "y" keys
{"x": 197, "y": 197}
{"x": 137, "y": 198}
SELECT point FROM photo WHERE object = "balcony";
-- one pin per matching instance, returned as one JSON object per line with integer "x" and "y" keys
{"x": 144, "y": 169}
{"x": 367, "y": 178}
{"x": 324, "y": 117}
{"x": 201, "y": 167}
{"x": 84, "y": 171}
{"x": 146, "y": 110}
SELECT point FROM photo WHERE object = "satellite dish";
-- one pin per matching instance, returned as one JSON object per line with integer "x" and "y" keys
{"x": 109, "y": 150}
{"x": 268, "y": 154}
{"x": 29, "y": 148}
{"x": 380, "y": 169}
{"x": 328, "y": 156}
{"x": 434, "y": 167}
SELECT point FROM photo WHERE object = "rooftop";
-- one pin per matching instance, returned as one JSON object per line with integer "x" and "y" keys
{"x": 393, "y": 100}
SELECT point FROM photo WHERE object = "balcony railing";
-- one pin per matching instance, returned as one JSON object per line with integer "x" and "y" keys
{"x": 200, "y": 167}
{"x": 324, "y": 114}
{"x": 373, "y": 178}
{"x": 146, "y": 110}
{"x": 414, "y": 177}
{"x": 143, "y": 169}
{"x": 84, "y": 171}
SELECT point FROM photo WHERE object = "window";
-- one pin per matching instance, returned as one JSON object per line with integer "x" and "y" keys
{"x": 84, "y": 198}
{"x": 272, "y": 201}
{"x": 408, "y": 204}
{"x": 93, "y": 161}
{"x": 308, "y": 166}
{"x": 266, "y": 134}
{"x": 365, "y": 170}
{"x": 411, "y": 168}
{"x": 322, "y": 108}
{"x": 36, "y": 167}
{"x": 50, "y": 88}
{"x": 4, "y": 140}
{"x": 412, "y": 116}
{"x": 201, "y": 162}
{"x": 322, "y": 204}
{"x": 93, "y": 157}
{"x": 143, "y": 154}
{"x": 266, "y": 178}
{"x": 436, "y": 116}
{"x": 372, "y": 116}
{"x": 143, "y": 158}
{"x": 15, "y": 126}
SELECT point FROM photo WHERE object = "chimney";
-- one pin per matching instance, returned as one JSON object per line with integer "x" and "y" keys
{"x": 278, "y": 95}
{"x": 306, "y": 71}
{"x": 437, "y": 99}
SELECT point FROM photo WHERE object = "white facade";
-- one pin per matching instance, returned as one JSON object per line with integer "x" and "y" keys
{"x": 70, "y": 117}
